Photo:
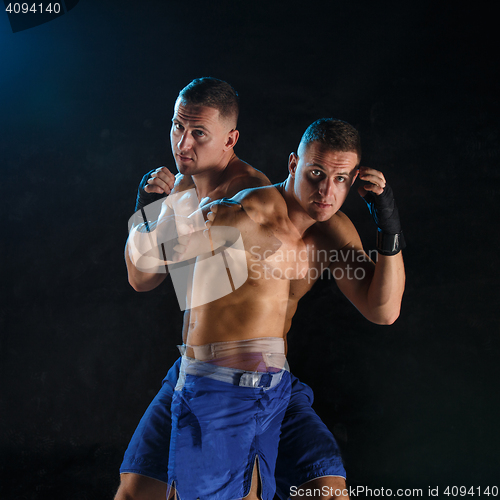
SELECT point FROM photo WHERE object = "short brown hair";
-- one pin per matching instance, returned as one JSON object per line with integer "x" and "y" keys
{"x": 213, "y": 93}
{"x": 333, "y": 134}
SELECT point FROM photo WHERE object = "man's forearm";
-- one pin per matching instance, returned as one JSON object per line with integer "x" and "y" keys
{"x": 386, "y": 289}
{"x": 142, "y": 281}
{"x": 145, "y": 252}
{"x": 153, "y": 244}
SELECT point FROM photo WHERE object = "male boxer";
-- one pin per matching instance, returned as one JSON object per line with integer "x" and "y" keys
{"x": 203, "y": 136}
{"x": 302, "y": 214}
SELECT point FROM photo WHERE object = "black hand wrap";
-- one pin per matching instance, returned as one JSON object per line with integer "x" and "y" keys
{"x": 144, "y": 198}
{"x": 390, "y": 239}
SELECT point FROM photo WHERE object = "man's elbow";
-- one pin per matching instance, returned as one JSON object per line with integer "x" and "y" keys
{"x": 139, "y": 286}
{"x": 145, "y": 282}
{"x": 385, "y": 317}
{"x": 389, "y": 320}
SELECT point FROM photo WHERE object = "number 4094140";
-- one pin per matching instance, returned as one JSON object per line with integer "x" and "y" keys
{"x": 462, "y": 491}
{"x": 24, "y": 8}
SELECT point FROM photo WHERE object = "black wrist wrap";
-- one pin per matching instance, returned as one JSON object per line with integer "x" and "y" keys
{"x": 390, "y": 244}
{"x": 144, "y": 198}
{"x": 390, "y": 239}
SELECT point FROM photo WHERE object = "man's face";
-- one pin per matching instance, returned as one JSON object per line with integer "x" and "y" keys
{"x": 322, "y": 179}
{"x": 199, "y": 138}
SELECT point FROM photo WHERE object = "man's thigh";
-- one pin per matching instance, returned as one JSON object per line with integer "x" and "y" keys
{"x": 137, "y": 487}
{"x": 307, "y": 450}
{"x": 148, "y": 450}
{"x": 322, "y": 488}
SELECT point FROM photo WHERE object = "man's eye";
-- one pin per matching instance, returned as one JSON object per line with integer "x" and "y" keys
{"x": 341, "y": 179}
{"x": 316, "y": 173}
{"x": 177, "y": 126}
{"x": 199, "y": 133}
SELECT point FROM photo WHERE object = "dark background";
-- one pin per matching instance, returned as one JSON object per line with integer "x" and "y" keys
{"x": 85, "y": 106}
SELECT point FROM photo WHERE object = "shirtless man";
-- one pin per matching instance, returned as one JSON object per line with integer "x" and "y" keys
{"x": 203, "y": 136}
{"x": 226, "y": 338}
{"x": 302, "y": 214}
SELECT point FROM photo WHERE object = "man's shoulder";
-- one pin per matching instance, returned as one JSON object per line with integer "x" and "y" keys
{"x": 263, "y": 203}
{"x": 338, "y": 220}
{"x": 182, "y": 183}
{"x": 239, "y": 167}
{"x": 241, "y": 176}
{"x": 260, "y": 205}
{"x": 338, "y": 231}
{"x": 262, "y": 195}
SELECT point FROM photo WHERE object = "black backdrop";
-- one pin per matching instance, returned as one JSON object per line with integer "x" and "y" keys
{"x": 85, "y": 105}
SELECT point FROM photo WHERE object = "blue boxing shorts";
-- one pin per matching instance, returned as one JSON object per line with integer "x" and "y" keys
{"x": 147, "y": 452}
{"x": 224, "y": 421}
{"x": 307, "y": 449}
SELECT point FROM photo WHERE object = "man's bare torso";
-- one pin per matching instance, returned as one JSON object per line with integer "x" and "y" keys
{"x": 282, "y": 266}
{"x": 236, "y": 176}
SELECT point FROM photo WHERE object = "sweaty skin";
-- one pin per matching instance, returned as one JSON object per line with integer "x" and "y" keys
{"x": 299, "y": 219}
{"x": 259, "y": 307}
{"x": 202, "y": 144}
{"x": 302, "y": 214}
{"x": 317, "y": 186}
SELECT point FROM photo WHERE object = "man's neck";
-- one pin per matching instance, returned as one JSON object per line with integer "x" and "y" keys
{"x": 208, "y": 181}
{"x": 296, "y": 213}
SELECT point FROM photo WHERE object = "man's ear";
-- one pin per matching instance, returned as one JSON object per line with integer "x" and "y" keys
{"x": 355, "y": 176}
{"x": 232, "y": 139}
{"x": 293, "y": 160}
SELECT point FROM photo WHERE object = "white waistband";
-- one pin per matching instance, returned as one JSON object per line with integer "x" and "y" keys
{"x": 249, "y": 354}
{"x": 242, "y": 378}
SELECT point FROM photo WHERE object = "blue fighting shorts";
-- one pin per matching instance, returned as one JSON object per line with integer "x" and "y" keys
{"x": 224, "y": 421}
{"x": 307, "y": 449}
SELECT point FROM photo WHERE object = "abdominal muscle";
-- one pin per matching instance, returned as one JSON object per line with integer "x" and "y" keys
{"x": 255, "y": 310}
{"x": 251, "y": 321}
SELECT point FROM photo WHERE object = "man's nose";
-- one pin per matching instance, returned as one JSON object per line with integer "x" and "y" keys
{"x": 185, "y": 142}
{"x": 326, "y": 188}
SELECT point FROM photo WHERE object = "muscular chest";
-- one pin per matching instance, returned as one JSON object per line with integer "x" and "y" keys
{"x": 276, "y": 251}
{"x": 318, "y": 255}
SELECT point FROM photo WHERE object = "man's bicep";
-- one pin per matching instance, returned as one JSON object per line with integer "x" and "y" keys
{"x": 353, "y": 273}
{"x": 351, "y": 268}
